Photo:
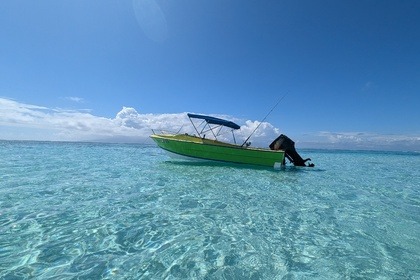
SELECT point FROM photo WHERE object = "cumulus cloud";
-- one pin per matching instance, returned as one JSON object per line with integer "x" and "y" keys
{"x": 20, "y": 121}
{"x": 129, "y": 117}
{"x": 53, "y": 124}
{"x": 262, "y": 133}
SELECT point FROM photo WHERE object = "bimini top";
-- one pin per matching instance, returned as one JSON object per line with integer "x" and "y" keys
{"x": 213, "y": 120}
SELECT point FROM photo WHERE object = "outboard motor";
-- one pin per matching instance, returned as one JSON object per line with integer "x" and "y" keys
{"x": 288, "y": 146}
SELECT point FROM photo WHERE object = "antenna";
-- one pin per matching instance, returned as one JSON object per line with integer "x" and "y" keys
{"x": 264, "y": 119}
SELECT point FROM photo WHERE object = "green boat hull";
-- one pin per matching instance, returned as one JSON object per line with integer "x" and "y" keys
{"x": 207, "y": 149}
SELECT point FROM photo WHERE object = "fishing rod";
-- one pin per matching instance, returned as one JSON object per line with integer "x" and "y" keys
{"x": 264, "y": 119}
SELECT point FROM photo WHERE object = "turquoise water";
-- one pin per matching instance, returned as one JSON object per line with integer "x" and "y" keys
{"x": 92, "y": 211}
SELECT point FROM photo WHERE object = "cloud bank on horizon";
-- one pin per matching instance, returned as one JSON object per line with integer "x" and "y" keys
{"x": 19, "y": 121}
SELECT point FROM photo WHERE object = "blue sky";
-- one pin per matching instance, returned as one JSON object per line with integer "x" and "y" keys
{"x": 350, "y": 69}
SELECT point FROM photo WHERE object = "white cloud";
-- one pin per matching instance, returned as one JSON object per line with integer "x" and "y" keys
{"x": 361, "y": 140}
{"x": 261, "y": 136}
{"x": 19, "y": 121}
{"x": 56, "y": 124}
{"x": 75, "y": 99}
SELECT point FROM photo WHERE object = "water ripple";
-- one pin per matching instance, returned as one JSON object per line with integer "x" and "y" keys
{"x": 91, "y": 211}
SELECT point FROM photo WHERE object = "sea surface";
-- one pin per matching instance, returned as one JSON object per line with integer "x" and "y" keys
{"x": 128, "y": 211}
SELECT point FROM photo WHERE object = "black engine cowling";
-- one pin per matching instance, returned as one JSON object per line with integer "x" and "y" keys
{"x": 288, "y": 146}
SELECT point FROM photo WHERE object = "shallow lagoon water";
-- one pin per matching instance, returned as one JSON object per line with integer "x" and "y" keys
{"x": 110, "y": 211}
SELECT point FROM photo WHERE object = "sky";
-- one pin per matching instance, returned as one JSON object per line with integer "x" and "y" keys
{"x": 347, "y": 72}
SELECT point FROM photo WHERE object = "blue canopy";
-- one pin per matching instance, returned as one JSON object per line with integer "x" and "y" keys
{"x": 213, "y": 120}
